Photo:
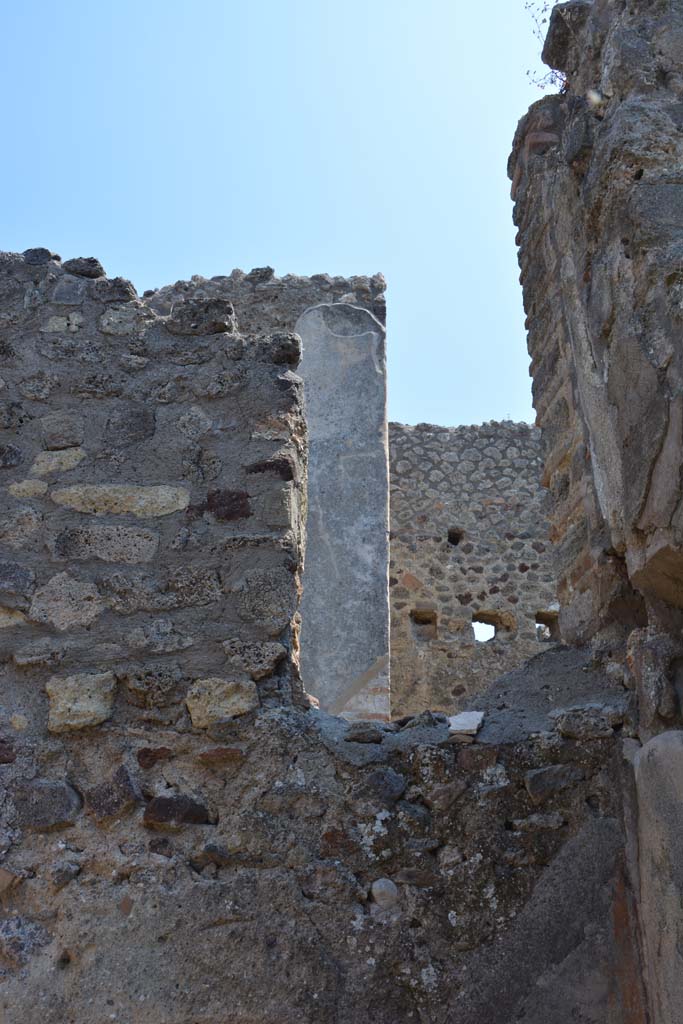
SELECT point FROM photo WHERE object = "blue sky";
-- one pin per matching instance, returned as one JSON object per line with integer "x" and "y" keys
{"x": 172, "y": 137}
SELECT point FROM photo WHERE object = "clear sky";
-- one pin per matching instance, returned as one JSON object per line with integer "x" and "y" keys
{"x": 173, "y": 137}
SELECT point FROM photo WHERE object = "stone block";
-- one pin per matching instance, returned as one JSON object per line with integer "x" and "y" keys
{"x": 213, "y": 700}
{"x": 65, "y": 602}
{"x": 79, "y": 701}
{"x": 123, "y": 499}
{"x": 60, "y": 461}
{"x": 345, "y": 608}
{"x": 127, "y": 544}
{"x": 113, "y": 798}
{"x": 28, "y": 489}
{"x": 43, "y": 805}
{"x": 17, "y": 583}
{"x": 543, "y": 783}
{"x": 257, "y": 660}
{"x": 173, "y": 812}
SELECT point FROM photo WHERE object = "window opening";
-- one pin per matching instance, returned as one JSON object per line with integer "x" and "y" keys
{"x": 490, "y": 625}
{"x": 548, "y": 626}
{"x": 483, "y": 631}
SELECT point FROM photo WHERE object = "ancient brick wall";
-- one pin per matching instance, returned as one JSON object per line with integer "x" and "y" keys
{"x": 182, "y": 837}
{"x": 345, "y": 604}
{"x": 469, "y": 542}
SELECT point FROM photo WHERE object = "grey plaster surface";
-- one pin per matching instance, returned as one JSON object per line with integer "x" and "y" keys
{"x": 345, "y": 608}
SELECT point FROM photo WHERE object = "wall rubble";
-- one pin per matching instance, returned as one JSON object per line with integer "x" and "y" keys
{"x": 469, "y": 540}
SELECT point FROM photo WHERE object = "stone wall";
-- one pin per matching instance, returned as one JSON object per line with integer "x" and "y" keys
{"x": 469, "y": 542}
{"x": 182, "y": 837}
{"x": 345, "y": 608}
{"x": 598, "y": 199}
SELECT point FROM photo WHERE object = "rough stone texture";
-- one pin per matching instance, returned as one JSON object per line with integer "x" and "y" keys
{"x": 597, "y": 199}
{"x": 597, "y": 190}
{"x": 79, "y": 701}
{"x": 345, "y": 609}
{"x": 332, "y": 880}
{"x": 344, "y": 637}
{"x": 469, "y": 541}
{"x": 283, "y": 865}
{"x": 210, "y": 701}
{"x": 265, "y": 304}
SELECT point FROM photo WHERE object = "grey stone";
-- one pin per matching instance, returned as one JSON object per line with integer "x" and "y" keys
{"x": 130, "y": 424}
{"x": 659, "y": 782}
{"x": 345, "y": 643}
{"x": 69, "y": 291}
{"x": 36, "y": 257}
{"x": 127, "y": 544}
{"x": 202, "y": 316}
{"x": 62, "y": 430}
{"x": 364, "y": 732}
{"x": 84, "y": 266}
{"x": 543, "y": 783}
{"x": 114, "y": 289}
{"x": 43, "y": 805}
{"x": 258, "y": 660}
{"x": 385, "y": 893}
{"x": 17, "y": 584}
{"x": 582, "y": 723}
{"x": 10, "y": 456}
{"x": 64, "y": 602}
{"x": 64, "y": 872}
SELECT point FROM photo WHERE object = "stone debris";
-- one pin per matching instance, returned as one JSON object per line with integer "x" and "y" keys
{"x": 465, "y": 723}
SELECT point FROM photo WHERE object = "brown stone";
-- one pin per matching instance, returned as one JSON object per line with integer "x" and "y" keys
{"x": 149, "y": 756}
{"x": 8, "y": 880}
{"x": 173, "y": 812}
{"x": 224, "y": 505}
{"x": 215, "y": 757}
{"x": 113, "y": 798}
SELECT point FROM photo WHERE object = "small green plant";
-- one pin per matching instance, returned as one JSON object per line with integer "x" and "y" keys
{"x": 539, "y": 11}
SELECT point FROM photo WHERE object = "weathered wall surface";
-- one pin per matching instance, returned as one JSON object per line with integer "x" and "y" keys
{"x": 469, "y": 540}
{"x": 345, "y": 604}
{"x": 345, "y": 610}
{"x": 598, "y": 199}
{"x": 181, "y": 838}
{"x": 597, "y": 203}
